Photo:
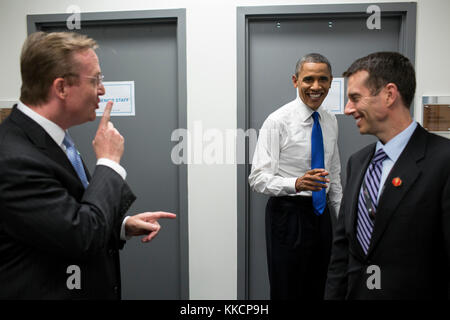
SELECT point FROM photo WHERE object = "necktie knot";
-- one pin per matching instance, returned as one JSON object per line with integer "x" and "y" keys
{"x": 315, "y": 116}
{"x": 68, "y": 142}
{"x": 379, "y": 156}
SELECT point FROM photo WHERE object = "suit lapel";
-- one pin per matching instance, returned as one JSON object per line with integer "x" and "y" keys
{"x": 407, "y": 170}
{"x": 39, "y": 137}
{"x": 360, "y": 167}
{"x": 88, "y": 175}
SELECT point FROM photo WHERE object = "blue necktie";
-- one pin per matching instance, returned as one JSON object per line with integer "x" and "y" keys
{"x": 367, "y": 201}
{"x": 317, "y": 161}
{"x": 74, "y": 158}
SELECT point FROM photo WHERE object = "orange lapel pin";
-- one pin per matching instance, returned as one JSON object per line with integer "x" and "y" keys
{"x": 396, "y": 182}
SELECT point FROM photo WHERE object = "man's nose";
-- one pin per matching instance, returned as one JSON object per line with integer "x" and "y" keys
{"x": 349, "y": 108}
{"x": 101, "y": 89}
{"x": 316, "y": 85}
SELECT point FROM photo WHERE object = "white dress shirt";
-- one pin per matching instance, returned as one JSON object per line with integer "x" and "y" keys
{"x": 283, "y": 152}
{"x": 57, "y": 134}
{"x": 393, "y": 149}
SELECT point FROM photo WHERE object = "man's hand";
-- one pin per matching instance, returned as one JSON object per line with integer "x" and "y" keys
{"x": 311, "y": 180}
{"x": 108, "y": 142}
{"x": 146, "y": 223}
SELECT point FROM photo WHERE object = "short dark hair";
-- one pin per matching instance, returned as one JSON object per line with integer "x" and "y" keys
{"x": 312, "y": 57}
{"x": 384, "y": 68}
{"x": 47, "y": 56}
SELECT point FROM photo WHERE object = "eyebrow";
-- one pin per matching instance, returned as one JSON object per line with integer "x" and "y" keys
{"x": 312, "y": 77}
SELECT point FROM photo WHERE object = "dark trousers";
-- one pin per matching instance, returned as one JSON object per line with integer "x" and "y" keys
{"x": 298, "y": 248}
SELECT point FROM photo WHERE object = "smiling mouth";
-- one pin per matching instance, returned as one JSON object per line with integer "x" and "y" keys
{"x": 315, "y": 95}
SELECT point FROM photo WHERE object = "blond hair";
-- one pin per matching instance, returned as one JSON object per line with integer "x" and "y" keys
{"x": 47, "y": 56}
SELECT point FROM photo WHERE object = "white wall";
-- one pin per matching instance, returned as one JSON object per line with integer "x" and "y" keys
{"x": 432, "y": 52}
{"x": 211, "y": 85}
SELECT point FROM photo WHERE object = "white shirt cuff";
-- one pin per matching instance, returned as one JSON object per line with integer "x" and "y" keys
{"x": 123, "y": 235}
{"x": 290, "y": 185}
{"x": 113, "y": 165}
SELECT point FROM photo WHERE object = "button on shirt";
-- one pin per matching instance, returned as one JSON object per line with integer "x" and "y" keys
{"x": 283, "y": 152}
{"x": 57, "y": 134}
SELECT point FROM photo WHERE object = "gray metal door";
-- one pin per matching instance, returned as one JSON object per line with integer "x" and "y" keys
{"x": 274, "y": 46}
{"x": 145, "y": 52}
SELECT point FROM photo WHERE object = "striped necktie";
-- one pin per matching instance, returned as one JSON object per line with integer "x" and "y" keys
{"x": 317, "y": 161}
{"x": 367, "y": 201}
{"x": 74, "y": 158}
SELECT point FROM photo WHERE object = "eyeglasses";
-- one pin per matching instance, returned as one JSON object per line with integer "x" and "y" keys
{"x": 98, "y": 79}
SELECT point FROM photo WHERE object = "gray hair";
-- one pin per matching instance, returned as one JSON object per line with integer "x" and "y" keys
{"x": 312, "y": 57}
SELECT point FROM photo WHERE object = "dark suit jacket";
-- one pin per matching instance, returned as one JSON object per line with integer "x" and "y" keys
{"x": 411, "y": 237}
{"x": 49, "y": 222}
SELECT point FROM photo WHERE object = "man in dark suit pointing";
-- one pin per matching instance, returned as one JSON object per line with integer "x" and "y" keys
{"x": 392, "y": 239}
{"x": 54, "y": 217}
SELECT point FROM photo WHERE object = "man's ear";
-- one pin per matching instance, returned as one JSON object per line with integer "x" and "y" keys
{"x": 392, "y": 93}
{"x": 294, "y": 80}
{"x": 59, "y": 87}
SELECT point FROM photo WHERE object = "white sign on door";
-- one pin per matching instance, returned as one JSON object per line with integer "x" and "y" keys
{"x": 334, "y": 102}
{"x": 122, "y": 94}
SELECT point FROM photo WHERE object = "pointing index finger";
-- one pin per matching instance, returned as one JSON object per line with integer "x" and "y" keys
{"x": 167, "y": 215}
{"x": 106, "y": 114}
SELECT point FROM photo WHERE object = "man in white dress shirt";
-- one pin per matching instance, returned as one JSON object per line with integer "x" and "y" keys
{"x": 298, "y": 229}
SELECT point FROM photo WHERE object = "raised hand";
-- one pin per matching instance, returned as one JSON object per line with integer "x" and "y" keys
{"x": 108, "y": 142}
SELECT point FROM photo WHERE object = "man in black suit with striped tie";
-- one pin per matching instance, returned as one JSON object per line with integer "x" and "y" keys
{"x": 392, "y": 239}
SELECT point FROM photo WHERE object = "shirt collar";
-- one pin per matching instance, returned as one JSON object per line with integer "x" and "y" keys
{"x": 395, "y": 146}
{"x": 53, "y": 130}
{"x": 305, "y": 111}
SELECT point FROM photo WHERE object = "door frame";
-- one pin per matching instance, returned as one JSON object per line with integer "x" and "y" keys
{"x": 36, "y": 22}
{"x": 245, "y": 15}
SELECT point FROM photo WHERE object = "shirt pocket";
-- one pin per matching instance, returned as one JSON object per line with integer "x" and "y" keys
{"x": 297, "y": 152}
